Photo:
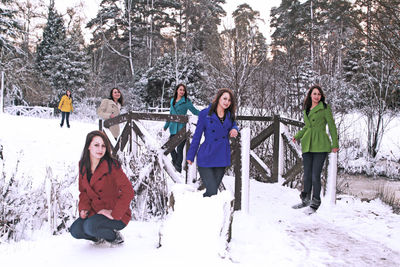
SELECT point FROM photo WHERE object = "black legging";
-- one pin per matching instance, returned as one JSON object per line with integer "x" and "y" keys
{"x": 177, "y": 155}
{"x": 313, "y": 163}
{"x": 64, "y": 115}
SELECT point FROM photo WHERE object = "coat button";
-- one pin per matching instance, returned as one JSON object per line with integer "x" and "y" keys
{"x": 100, "y": 191}
{"x": 99, "y": 198}
{"x": 213, "y": 131}
{"x": 223, "y": 137}
{"x": 215, "y": 139}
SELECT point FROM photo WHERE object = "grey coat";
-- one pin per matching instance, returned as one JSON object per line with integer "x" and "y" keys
{"x": 107, "y": 108}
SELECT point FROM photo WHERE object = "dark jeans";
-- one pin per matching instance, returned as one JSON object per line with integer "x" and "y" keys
{"x": 96, "y": 227}
{"x": 313, "y": 163}
{"x": 211, "y": 177}
{"x": 64, "y": 115}
{"x": 177, "y": 155}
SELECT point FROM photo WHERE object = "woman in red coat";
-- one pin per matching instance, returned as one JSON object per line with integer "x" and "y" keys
{"x": 105, "y": 193}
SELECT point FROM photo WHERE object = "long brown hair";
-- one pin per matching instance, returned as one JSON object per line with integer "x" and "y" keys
{"x": 176, "y": 93}
{"x": 120, "y": 100}
{"x": 70, "y": 93}
{"x": 231, "y": 108}
{"x": 84, "y": 163}
{"x": 307, "y": 101}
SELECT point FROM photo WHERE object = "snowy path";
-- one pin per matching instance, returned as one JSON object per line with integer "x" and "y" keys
{"x": 352, "y": 233}
{"x": 343, "y": 248}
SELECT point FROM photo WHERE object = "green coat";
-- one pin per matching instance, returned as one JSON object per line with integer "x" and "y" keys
{"x": 181, "y": 107}
{"x": 313, "y": 136}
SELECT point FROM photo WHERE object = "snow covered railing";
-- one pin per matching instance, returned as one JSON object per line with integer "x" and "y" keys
{"x": 35, "y": 111}
{"x": 157, "y": 109}
{"x": 277, "y": 129}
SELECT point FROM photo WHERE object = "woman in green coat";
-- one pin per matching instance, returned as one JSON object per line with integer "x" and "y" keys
{"x": 315, "y": 144}
{"x": 180, "y": 104}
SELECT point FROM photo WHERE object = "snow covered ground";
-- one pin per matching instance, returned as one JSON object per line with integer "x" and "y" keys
{"x": 351, "y": 233}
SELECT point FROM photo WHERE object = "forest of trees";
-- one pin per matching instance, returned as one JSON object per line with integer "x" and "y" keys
{"x": 350, "y": 48}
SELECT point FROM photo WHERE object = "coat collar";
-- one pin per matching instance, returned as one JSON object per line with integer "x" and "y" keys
{"x": 316, "y": 108}
{"x": 101, "y": 169}
{"x": 182, "y": 100}
{"x": 215, "y": 117}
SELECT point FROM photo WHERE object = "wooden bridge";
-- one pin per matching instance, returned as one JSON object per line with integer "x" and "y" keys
{"x": 268, "y": 171}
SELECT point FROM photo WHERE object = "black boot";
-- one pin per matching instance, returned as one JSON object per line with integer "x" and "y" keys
{"x": 305, "y": 201}
{"x": 315, "y": 203}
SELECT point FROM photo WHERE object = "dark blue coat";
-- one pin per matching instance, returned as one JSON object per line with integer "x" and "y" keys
{"x": 215, "y": 151}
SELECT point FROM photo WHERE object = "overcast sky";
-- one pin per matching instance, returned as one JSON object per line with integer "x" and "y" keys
{"x": 263, "y": 6}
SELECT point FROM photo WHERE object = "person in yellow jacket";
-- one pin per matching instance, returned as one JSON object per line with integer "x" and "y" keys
{"x": 315, "y": 144}
{"x": 111, "y": 107}
{"x": 66, "y": 107}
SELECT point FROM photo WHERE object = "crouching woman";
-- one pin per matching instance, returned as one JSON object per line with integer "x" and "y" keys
{"x": 105, "y": 193}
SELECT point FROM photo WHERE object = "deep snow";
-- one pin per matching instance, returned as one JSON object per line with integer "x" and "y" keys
{"x": 350, "y": 233}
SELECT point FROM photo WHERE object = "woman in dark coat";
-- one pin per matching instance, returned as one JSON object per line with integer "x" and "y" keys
{"x": 315, "y": 144}
{"x": 105, "y": 193}
{"x": 217, "y": 122}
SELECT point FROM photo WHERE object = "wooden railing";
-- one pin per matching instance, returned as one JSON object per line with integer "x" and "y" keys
{"x": 34, "y": 111}
{"x": 272, "y": 130}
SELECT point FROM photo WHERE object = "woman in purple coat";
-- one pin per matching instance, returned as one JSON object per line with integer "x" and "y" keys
{"x": 217, "y": 122}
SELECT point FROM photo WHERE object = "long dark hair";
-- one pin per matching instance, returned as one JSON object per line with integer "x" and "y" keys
{"x": 84, "y": 163}
{"x": 307, "y": 101}
{"x": 231, "y": 108}
{"x": 176, "y": 93}
{"x": 70, "y": 93}
{"x": 120, "y": 100}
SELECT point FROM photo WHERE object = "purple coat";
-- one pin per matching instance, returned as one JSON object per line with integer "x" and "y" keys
{"x": 215, "y": 151}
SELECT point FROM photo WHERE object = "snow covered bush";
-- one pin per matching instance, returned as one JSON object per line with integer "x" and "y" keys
{"x": 149, "y": 182}
{"x": 24, "y": 209}
{"x": 21, "y": 207}
{"x": 61, "y": 205}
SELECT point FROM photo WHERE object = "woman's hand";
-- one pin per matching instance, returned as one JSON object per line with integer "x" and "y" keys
{"x": 189, "y": 162}
{"x": 233, "y": 133}
{"x": 334, "y": 150}
{"x": 106, "y": 213}
{"x": 83, "y": 214}
{"x": 112, "y": 116}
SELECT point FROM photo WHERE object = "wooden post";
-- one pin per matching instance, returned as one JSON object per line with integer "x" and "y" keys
{"x": 237, "y": 168}
{"x": 2, "y": 93}
{"x": 275, "y": 155}
{"x": 245, "y": 164}
{"x": 101, "y": 125}
{"x": 331, "y": 182}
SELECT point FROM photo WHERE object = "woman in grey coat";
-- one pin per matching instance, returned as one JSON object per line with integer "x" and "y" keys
{"x": 111, "y": 107}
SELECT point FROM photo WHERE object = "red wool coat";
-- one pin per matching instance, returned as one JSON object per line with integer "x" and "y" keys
{"x": 111, "y": 191}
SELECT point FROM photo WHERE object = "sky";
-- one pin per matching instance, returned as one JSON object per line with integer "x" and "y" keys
{"x": 351, "y": 233}
{"x": 263, "y": 6}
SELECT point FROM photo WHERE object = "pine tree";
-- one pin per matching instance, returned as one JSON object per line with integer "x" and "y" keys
{"x": 10, "y": 28}
{"x": 243, "y": 50}
{"x": 77, "y": 69}
{"x": 53, "y": 35}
